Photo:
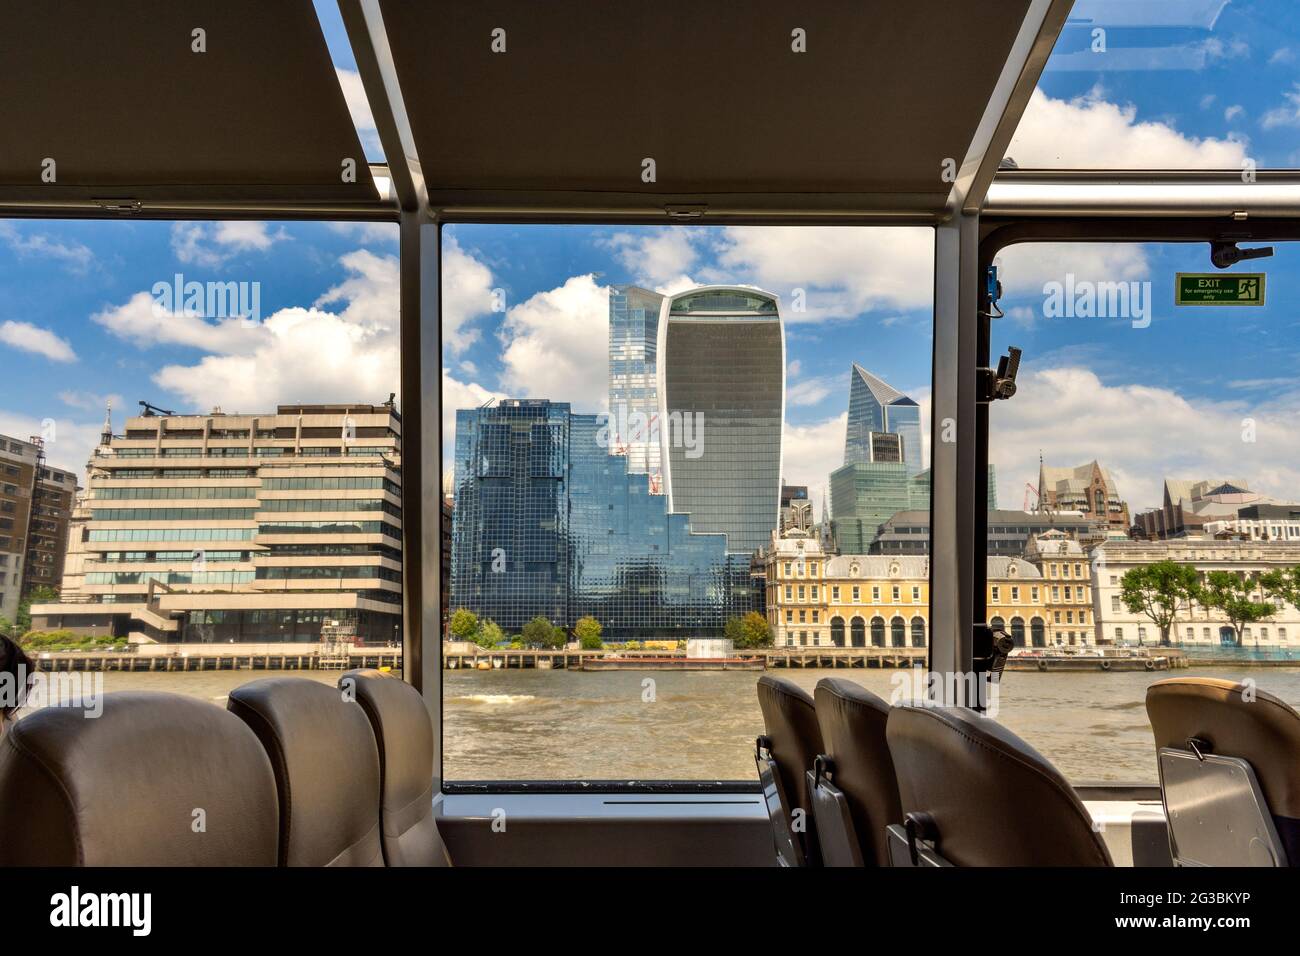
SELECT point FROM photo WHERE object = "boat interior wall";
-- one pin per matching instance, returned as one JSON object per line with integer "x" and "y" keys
{"x": 95, "y": 792}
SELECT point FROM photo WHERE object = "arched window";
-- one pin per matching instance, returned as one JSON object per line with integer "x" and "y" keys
{"x": 1018, "y": 631}
{"x": 1100, "y": 500}
{"x": 998, "y": 624}
{"x": 877, "y": 632}
{"x": 897, "y": 633}
{"x": 837, "y": 631}
{"x": 918, "y": 632}
{"x": 1037, "y": 632}
{"x": 858, "y": 628}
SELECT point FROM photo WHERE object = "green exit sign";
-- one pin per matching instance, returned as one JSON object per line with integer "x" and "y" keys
{"x": 1199, "y": 288}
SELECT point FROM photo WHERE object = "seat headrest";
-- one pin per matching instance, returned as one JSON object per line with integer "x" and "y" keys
{"x": 791, "y": 722}
{"x": 995, "y": 800}
{"x": 326, "y": 765}
{"x": 1236, "y": 720}
{"x": 852, "y": 722}
{"x": 404, "y": 733}
{"x": 154, "y": 780}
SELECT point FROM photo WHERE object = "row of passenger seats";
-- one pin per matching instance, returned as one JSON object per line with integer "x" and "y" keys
{"x": 293, "y": 773}
{"x": 852, "y": 781}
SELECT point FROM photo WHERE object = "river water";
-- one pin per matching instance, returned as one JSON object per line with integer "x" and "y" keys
{"x": 556, "y": 725}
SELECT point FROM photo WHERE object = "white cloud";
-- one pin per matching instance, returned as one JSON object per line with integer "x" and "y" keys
{"x": 33, "y": 338}
{"x": 1282, "y": 55}
{"x": 466, "y": 295}
{"x": 363, "y": 118}
{"x": 455, "y": 396}
{"x": 1089, "y": 131}
{"x": 142, "y": 321}
{"x": 810, "y": 453}
{"x": 368, "y": 232}
{"x": 211, "y": 244}
{"x": 1023, "y": 269}
{"x": 75, "y": 255}
{"x": 1287, "y": 114}
{"x": 657, "y": 258}
{"x": 808, "y": 391}
{"x": 1233, "y": 111}
{"x": 556, "y": 345}
{"x": 843, "y": 270}
{"x": 89, "y": 401}
{"x": 1142, "y": 434}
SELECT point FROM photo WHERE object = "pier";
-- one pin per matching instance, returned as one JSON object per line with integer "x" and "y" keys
{"x": 828, "y": 658}
{"x": 307, "y": 658}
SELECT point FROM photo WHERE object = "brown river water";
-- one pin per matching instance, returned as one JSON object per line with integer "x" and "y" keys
{"x": 566, "y": 725}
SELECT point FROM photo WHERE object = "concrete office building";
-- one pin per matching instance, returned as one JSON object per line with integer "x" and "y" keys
{"x": 240, "y": 528}
{"x": 721, "y": 383}
{"x": 1009, "y": 532}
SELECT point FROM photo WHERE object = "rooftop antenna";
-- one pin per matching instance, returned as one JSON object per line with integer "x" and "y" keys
{"x": 152, "y": 410}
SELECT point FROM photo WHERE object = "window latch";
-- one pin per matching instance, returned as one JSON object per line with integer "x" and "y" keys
{"x": 1000, "y": 384}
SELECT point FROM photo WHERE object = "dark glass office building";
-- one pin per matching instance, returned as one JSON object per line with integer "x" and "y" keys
{"x": 876, "y": 409}
{"x": 722, "y": 407}
{"x": 548, "y": 522}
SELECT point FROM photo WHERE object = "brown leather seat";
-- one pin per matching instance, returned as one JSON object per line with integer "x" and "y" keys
{"x": 852, "y": 721}
{"x": 993, "y": 799}
{"x": 790, "y": 721}
{"x": 155, "y": 780}
{"x": 404, "y": 734}
{"x": 326, "y": 767}
{"x": 1237, "y": 720}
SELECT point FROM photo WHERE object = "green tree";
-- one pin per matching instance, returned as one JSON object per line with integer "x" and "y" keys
{"x": 464, "y": 625}
{"x": 749, "y": 631}
{"x": 1233, "y": 596}
{"x": 6, "y": 626}
{"x": 1161, "y": 591}
{"x": 588, "y": 631}
{"x": 541, "y": 632}
{"x": 1283, "y": 584}
{"x": 489, "y": 634}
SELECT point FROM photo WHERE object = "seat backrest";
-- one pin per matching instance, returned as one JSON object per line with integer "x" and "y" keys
{"x": 992, "y": 799}
{"x": 790, "y": 723}
{"x": 404, "y": 734}
{"x": 153, "y": 780}
{"x": 1232, "y": 719}
{"x": 852, "y": 721}
{"x": 326, "y": 766}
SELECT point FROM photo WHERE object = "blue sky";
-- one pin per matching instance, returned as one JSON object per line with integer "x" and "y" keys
{"x": 76, "y": 323}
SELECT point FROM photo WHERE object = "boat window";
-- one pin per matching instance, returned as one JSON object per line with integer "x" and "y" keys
{"x": 1185, "y": 84}
{"x": 202, "y": 463}
{"x": 1152, "y": 429}
{"x": 672, "y": 455}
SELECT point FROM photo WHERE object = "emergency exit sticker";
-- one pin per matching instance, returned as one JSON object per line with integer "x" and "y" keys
{"x": 1241, "y": 288}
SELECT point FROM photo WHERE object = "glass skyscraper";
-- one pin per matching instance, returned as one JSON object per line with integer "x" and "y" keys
{"x": 722, "y": 406}
{"x": 866, "y": 494}
{"x": 875, "y": 406}
{"x": 548, "y": 522}
{"x": 633, "y": 386}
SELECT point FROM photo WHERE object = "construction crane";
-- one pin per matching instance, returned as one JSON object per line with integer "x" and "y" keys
{"x": 1031, "y": 496}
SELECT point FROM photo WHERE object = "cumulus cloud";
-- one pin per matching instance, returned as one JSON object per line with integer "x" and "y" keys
{"x": 40, "y": 341}
{"x": 89, "y": 401}
{"x": 842, "y": 270}
{"x": 811, "y": 452}
{"x": 1288, "y": 114}
{"x": 1024, "y": 269}
{"x": 657, "y": 258}
{"x": 26, "y": 244}
{"x": 68, "y": 443}
{"x": 1143, "y": 434}
{"x": 466, "y": 295}
{"x": 1091, "y": 131}
{"x": 211, "y": 244}
{"x": 556, "y": 345}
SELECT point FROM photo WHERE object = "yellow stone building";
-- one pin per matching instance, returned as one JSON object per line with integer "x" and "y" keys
{"x": 1067, "y": 587}
{"x": 815, "y": 599}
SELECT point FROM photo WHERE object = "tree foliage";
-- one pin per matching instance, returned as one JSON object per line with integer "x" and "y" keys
{"x": 588, "y": 631}
{"x": 749, "y": 631}
{"x": 464, "y": 624}
{"x": 1233, "y": 596}
{"x": 1161, "y": 591}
